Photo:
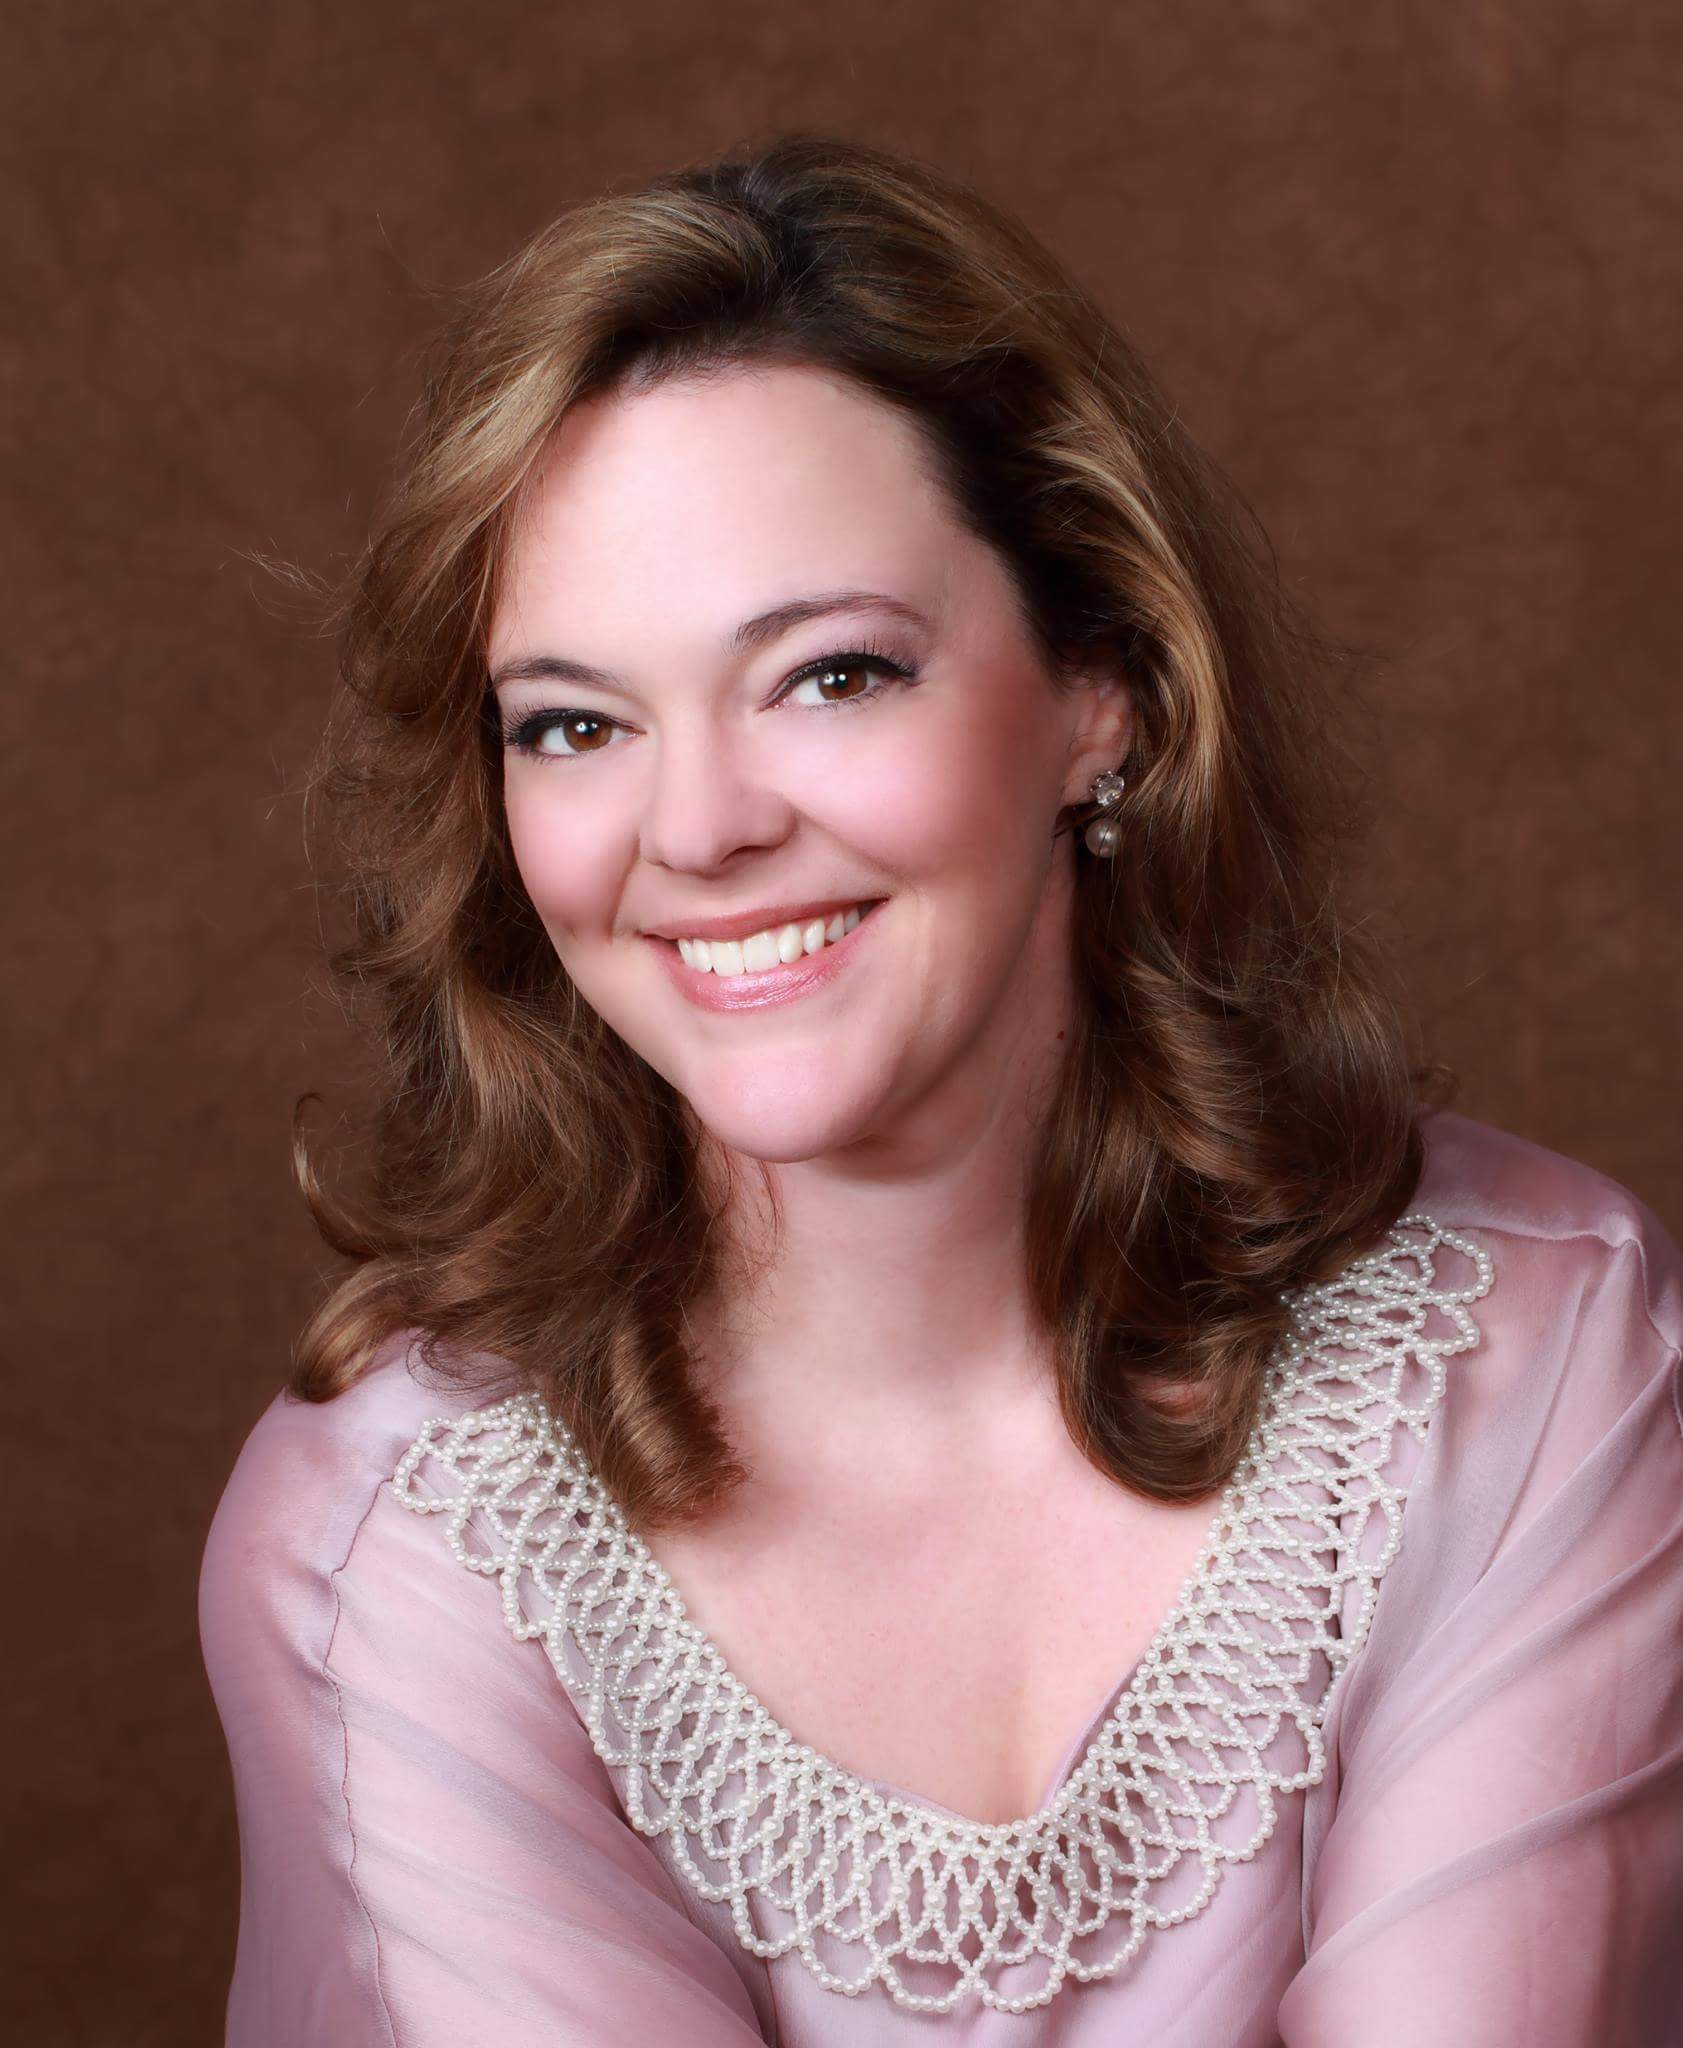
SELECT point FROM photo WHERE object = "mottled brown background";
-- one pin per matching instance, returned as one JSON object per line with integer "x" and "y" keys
{"x": 1416, "y": 276}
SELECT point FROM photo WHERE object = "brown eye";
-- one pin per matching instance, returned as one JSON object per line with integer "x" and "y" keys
{"x": 579, "y": 732}
{"x": 831, "y": 678}
{"x": 584, "y": 734}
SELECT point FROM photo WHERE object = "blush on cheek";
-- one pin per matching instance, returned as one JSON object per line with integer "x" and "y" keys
{"x": 567, "y": 873}
{"x": 911, "y": 814}
{"x": 951, "y": 799}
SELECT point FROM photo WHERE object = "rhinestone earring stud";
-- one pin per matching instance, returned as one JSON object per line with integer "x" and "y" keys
{"x": 1104, "y": 833}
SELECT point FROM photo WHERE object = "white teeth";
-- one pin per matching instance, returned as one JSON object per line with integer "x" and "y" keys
{"x": 783, "y": 944}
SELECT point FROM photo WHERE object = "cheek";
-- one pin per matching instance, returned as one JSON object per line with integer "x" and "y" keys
{"x": 569, "y": 864}
{"x": 972, "y": 795}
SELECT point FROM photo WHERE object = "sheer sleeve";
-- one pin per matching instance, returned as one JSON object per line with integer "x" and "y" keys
{"x": 431, "y": 1851}
{"x": 1504, "y": 1857}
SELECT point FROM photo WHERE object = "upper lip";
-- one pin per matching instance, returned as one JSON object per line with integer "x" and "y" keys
{"x": 742, "y": 924}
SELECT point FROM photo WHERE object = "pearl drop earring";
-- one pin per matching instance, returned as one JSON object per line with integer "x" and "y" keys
{"x": 1104, "y": 833}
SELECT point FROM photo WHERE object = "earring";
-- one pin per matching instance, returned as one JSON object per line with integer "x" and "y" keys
{"x": 1104, "y": 833}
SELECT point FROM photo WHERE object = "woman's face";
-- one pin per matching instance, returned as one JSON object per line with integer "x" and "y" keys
{"x": 757, "y": 675}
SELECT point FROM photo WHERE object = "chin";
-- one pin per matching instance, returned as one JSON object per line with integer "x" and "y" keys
{"x": 782, "y": 1126}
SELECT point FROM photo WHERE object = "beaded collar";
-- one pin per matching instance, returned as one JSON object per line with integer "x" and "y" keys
{"x": 1176, "y": 1784}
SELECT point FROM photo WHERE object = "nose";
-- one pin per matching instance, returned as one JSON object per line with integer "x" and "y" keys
{"x": 707, "y": 801}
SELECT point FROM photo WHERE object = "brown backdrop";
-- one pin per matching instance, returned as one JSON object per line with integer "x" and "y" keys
{"x": 1416, "y": 276}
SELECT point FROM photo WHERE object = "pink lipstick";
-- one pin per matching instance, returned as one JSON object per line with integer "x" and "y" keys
{"x": 781, "y": 984}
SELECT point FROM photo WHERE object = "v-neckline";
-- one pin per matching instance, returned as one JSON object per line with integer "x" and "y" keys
{"x": 1079, "y": 1752}
{"x": 1184, "y": 1764}
{"x": 1235, "y": 1509}
{"x": 1068, "y": 1764}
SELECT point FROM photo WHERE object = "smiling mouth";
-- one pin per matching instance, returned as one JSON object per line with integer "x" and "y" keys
{"x": 780, "y": 947}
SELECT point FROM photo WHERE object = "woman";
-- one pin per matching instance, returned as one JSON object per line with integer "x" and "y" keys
{"x": 905, "y": 1242}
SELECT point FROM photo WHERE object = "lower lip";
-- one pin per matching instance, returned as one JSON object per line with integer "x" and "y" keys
{"x": 785, "y": 984}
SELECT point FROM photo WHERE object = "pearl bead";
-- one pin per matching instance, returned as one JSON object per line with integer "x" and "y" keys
{"x": 1103, "y": 837}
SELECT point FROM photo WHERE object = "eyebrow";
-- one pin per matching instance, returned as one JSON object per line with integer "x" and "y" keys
{"x": 751, "y": 635}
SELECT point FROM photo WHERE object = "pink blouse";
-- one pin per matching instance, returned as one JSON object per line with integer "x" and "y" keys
{"x": 1382, "y": 1778}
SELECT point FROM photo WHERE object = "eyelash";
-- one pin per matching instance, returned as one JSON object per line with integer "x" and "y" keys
{"x": 522, "y": 734}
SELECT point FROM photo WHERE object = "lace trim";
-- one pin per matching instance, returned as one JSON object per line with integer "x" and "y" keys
{"x": 1175, "y": 1785}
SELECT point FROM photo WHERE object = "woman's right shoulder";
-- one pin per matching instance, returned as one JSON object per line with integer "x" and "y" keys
{"x": 305, "y": 1480}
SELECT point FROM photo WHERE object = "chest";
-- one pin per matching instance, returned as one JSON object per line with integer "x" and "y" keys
{"x": 952, "y": 1646}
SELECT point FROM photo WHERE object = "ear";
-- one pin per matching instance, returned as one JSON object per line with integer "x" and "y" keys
{"x": 1103, "y": 732}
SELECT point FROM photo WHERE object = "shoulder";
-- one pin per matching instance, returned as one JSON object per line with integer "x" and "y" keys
{"x": 1507, "y": 1183}
{"x": 306, "y": 1480}
{"x": 1553, "y": 1464}
{"x": 1583, "y": 1320}
{"x": 1575, "y": 1222}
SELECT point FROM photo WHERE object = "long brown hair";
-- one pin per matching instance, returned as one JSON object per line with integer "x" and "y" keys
{"x": 1235, "y": 1115}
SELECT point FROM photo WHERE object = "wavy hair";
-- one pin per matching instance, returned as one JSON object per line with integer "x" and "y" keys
{"x": 1235, "y": 1115}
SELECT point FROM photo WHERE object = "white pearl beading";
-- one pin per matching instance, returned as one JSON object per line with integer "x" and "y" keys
{"x": 752, "y": 1815}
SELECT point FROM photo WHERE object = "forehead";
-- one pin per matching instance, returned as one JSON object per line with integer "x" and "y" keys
{"x": 714, "y": 496}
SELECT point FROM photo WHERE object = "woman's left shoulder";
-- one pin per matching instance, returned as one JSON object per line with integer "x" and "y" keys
{"x": 1507, "y": 1739}
{"x": 1581, "y": 1270}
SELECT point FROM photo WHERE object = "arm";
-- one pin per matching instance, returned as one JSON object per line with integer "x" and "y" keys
{"x": 431, "y": 1850}
{"x": 1505, "y": 1863}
